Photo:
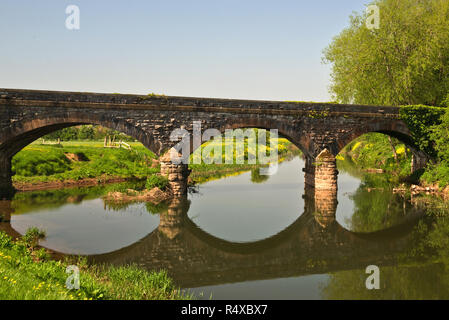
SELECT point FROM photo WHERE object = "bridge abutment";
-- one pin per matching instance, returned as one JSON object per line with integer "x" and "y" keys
{"x": 177, "y": 174}
{"x": 6, "y": 188}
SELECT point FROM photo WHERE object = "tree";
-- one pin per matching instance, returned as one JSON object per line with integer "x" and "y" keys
{"x": 404, "y": 62}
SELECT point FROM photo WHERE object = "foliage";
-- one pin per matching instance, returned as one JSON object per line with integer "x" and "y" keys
{"x": 438, "y": 137}
{"x": 421, "y": 120}
{"x": 404, "y": 62}
{"x": 204, "y": 171}
{"x": 437, "y": 173}
{"x": 37, "y": 163}
{"x": 27, "y": 274}
{"x": 32, "y": 236}
{"x": 156, "y": 181}
{"x": 374, "y": 151}
{"x": 440, "y": 134}
{"x": 86, "y": 132}
{"x": 40, "y": 162}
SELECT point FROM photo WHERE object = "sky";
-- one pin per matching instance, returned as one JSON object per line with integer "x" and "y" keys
{"x": 241, "y": 49}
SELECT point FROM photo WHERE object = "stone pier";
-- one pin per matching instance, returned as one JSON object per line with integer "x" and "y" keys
{"x": 321, "y": 173}
{"x": 177, "y": 174}
{"x": 6, "y": 188}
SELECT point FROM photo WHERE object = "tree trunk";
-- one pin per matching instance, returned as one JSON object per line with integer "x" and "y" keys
{"x": 393, "y": 148}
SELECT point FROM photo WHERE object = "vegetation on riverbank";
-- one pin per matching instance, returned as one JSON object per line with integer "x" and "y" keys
{"x": 402, "y": 62}
{"x": 77, "y": 160}
{"x": 376, "y": 151}
{"x": 203, "y": 172}
{"x": 27, "y": 272}
{"x": 429, "y": 127}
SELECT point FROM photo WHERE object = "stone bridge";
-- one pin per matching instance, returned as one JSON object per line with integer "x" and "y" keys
{"x": 320, "y": 130}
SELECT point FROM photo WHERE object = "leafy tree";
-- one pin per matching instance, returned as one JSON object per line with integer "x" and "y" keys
{"x": 440, "y": 134}
{"x": 404, "y": 62}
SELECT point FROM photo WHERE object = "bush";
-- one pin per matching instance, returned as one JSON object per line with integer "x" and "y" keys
{"x": 32, "y": 236}
{"x": 440, "y": 134}
{"x": 421, "y": 121}
{"x": 154, "y": 181}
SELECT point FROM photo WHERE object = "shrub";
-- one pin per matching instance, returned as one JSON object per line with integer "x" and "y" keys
{"x": 158, "y": 181}
{"x": 420, "y": 120}
{"x": 32, "y": 236}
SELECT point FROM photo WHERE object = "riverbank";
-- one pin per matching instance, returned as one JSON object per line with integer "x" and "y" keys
{"x": 88, "y": 163}
{"x": 80, "y": 163}
{"x": 29, "y": 273}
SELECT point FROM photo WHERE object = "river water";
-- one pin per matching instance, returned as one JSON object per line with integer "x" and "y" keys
{"x": 240, "y": 237}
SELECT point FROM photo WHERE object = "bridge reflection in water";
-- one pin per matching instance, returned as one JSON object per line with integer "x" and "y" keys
{"x": 314, "y": 244}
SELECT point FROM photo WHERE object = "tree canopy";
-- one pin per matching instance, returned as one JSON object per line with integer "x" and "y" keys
{"x": 403, "y": 62}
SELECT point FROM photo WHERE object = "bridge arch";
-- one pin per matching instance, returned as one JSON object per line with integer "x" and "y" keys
{"x": 396, "y": 129}
{"x": 23, "y": 133}
{"x": 284, "y": 129}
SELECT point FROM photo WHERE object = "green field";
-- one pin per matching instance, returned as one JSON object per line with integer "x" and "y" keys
{"x": 41, "y": 163}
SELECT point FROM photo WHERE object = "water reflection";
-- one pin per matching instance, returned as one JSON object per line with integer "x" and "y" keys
{"x": 301, "y": 237}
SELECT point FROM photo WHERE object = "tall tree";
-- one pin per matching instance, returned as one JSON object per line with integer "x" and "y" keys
{"x": 404, "y": 61}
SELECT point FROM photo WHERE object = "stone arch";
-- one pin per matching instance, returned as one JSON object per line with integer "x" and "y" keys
{"x": 284, "y": 128}
{"x": 23, "y": 133}
{"x": 396, "y": 129}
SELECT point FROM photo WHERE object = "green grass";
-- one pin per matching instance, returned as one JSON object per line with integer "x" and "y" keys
{"x": 373, "y": 151}
{"x": 48, "y": 163}
{"x": 155, "y": 181}
{"x": 29, "y": 274}
{"x": 41, "y": 163}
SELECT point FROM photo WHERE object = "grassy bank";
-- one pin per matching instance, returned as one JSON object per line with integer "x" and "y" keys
{"x": 28, "y": 273}
{"x": 79, "y": 161}
{"x": 374, "y": 151}
{"x": 76, "y": 160}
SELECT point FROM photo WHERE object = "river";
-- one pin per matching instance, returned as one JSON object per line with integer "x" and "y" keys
{"x": 245, "y": 238}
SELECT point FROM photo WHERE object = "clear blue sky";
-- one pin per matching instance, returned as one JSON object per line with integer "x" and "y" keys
{"x": 252, "y": 49}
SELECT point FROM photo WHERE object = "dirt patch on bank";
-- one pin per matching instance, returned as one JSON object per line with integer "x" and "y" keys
{"x": 154, "y": 195}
